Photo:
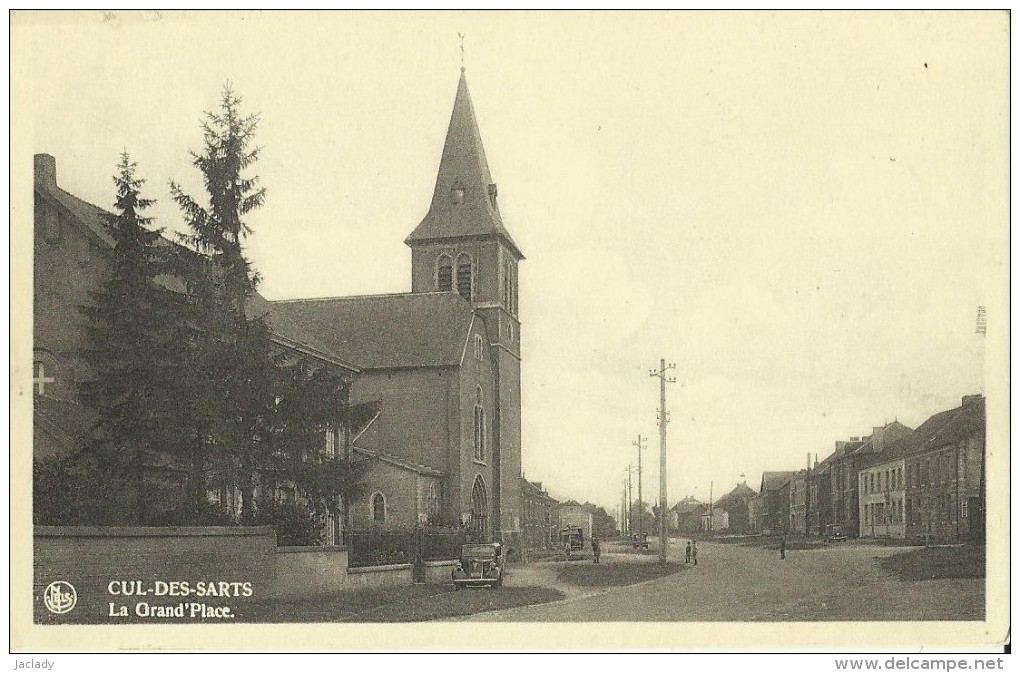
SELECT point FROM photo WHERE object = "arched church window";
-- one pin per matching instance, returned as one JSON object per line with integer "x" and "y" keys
{"x": 432, "y": 506}
{"x": 444, "y": 274}
{"x": 378, "y": 508}
{"x": 464, "y": 276}
{"x": 479, "y": 426}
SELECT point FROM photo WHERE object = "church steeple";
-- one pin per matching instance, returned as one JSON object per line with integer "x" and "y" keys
{"x": 464, "y": 203}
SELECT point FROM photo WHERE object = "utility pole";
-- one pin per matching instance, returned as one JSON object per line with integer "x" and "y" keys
{"x": 640, "y": 444}
{"x": 711, "y": 504}
{"x": 630, "y": 495}
{"x": 664, "y": 378}
{"x": 625, "y": 512}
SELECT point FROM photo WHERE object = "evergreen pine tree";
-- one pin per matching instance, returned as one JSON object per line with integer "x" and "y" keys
{"x": 255, "y": 421}
{"x": 127, "y": 353}
{"x": 233, "y": 356}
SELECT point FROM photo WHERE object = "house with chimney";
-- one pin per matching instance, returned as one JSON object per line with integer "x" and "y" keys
{"x": 847, "y": 460}
{"x": 943, "y": 464}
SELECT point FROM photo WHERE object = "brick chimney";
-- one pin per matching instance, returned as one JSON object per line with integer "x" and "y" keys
{"x": 968, "y": 399}
{"x": 45, "y": 170}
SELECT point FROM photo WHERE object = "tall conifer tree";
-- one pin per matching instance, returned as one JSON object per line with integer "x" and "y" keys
{"x": 233, "y": 357}
{"x": 128, "y": 354}
{"x": 255, "y": 419}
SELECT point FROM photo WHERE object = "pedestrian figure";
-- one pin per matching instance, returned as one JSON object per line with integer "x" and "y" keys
{"x": 687, "y": 554}
{"x": 595, "y": 549}
{"x": 782, "y": 547}
{"x": 566, "y": 549}
{"x": 694, "y": 552}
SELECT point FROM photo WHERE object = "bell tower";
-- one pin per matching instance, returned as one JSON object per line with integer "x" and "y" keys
{"x": 462, "y": 246}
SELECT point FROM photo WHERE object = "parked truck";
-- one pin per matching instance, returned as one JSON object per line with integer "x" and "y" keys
{"x": 578, "y": 524}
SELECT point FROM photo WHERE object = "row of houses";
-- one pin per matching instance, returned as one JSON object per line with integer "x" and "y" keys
{"x": 917, "y": 484}
{"x": 730, "y": 513}
{"x": 545, "y": 516}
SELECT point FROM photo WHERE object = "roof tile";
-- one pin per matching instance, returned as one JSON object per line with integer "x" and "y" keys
{"x": 426, "y": 329}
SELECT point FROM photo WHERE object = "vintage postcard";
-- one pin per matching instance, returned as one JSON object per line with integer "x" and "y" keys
{"x": 595, "y": 330}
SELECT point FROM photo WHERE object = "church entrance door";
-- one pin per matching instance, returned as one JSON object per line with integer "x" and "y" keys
{"x": 479, "y": 524}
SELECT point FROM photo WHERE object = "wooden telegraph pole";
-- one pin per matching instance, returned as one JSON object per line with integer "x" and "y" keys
{"x": 664, "y": 378}
{"x": 640, "y": 444}
{"x": 628, "y": 489}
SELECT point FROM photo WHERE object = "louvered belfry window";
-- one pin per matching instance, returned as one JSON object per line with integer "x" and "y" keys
{"x": 464, "y": 276}
{"x": 445, "y": 274}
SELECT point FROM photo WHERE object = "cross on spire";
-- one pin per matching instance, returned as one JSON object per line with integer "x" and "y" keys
{"x": 461, "y": 36}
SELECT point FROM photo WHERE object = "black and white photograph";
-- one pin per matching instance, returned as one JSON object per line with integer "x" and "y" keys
{"x": 533, "y": 330}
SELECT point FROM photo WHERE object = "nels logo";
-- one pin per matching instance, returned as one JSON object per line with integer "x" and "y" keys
{"x": 60, "y": 597}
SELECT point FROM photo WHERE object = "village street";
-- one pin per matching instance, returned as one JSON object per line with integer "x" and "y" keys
{"x": 738, "y": 583}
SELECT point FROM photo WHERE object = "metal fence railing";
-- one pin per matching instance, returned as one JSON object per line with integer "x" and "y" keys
{"x": 379, "y": 548}
{"x": 437, "y": 545}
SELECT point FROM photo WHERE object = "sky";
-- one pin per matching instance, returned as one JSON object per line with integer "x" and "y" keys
{"x": 802, "y": 210}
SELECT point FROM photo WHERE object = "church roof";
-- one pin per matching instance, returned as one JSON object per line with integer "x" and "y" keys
{"x": 288, "y": 333}
{"x": 464, "y": 166}
{"x": 422, "y": 329}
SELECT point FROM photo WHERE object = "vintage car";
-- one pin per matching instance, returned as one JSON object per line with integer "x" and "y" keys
{"x": 834, "y": 533}
{"x": 481, "y": 564}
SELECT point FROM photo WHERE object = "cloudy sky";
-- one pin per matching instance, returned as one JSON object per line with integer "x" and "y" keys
{"x": 802, "y": 210}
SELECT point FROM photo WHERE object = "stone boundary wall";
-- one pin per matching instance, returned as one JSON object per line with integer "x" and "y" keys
{"x": 114, "y": 569}
{"x": 125, "y": 566}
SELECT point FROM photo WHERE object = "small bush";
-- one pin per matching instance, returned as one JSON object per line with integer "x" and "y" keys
{"x": 296, "y": 525}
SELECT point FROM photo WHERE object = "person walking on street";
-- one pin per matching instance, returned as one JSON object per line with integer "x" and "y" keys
{"x": 694, "y": 552}
{"x": 595, "y": 550}
{"x": 782, "y": 547}
{"x": 566, "y": 550}
{"x": 687, "y": 554}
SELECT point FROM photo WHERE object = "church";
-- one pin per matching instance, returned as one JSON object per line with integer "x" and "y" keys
{"x": 439, "y": 365}
{"x": 443, "y": 360}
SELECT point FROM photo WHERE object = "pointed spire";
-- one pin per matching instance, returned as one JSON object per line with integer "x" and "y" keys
{"x": 463, "y": 163}
{"x": 464, "y": 200}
